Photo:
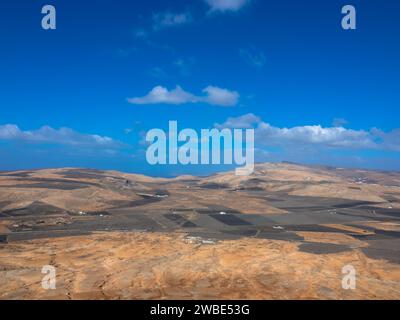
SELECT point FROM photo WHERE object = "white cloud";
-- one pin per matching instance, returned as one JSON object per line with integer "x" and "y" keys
{"x": 160, "y": 95}
{"x": 168, "y": 19}
{"x": 214, "y": 96}
{"x": 62, "y": 136}
{"x": 253, "y": 56}
{"x": 389, "y": 140}
{"x": 339, "y": 122}
{"x": 226, "y": 5}
{"x": 184, "y": 65}
{"x": 220, "y": 97}
{"x": 245, "y": 122}
{"x": 315, "y": 135}
{"x": 179, "y": 67}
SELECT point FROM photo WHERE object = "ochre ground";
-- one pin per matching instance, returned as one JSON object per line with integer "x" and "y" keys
{"x": 164, "y": 266}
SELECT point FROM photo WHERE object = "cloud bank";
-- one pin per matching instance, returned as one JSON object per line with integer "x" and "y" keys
{"x": 315, "y": 135}
{"x": 62, "y": 136}
{"x": 168, "y": 19}
{"x": 213, "y": 95}
{"x": 226, "y": 5}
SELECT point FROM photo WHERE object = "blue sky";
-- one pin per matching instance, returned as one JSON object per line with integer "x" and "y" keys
{"x": 314, "y": 92}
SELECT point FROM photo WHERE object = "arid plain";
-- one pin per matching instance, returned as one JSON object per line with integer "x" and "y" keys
{"x": 284, "y": 232}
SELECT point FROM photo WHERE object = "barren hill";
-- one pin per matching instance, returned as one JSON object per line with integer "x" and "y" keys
{"x": 284, "y": 232}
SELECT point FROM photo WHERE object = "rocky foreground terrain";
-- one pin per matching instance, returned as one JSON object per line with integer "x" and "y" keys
{"x": 284, "y": 232}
